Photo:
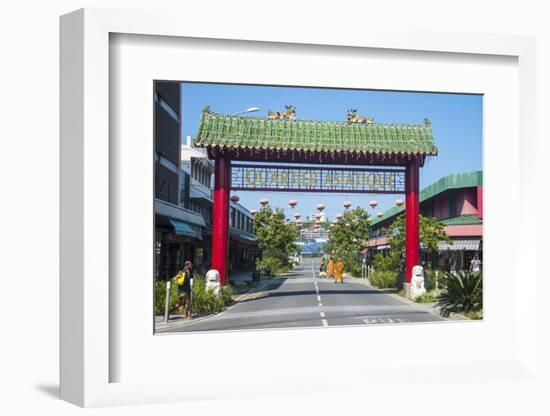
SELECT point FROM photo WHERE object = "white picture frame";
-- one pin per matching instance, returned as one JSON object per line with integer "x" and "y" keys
{"x": 87, "y": 167}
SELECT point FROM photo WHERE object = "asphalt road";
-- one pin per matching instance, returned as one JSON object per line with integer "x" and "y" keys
{"x": 302, "y": 299}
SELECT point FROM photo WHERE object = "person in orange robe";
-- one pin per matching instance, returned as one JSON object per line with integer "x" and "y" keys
{"x": 330, "y": 268}
{"x": 339, "y": 271}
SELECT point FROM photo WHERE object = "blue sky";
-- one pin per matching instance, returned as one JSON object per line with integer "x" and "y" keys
{"x": 456, "y": 124}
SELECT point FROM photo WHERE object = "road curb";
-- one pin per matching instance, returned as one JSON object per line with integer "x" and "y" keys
{"x": 183, "y": 323}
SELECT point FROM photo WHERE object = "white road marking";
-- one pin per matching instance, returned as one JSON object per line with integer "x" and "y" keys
{"x": 384, "y": 320}
{"x": 324, "y": 321}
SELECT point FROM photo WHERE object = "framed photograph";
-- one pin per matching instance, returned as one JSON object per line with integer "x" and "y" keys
{"x": 311, "y": 208}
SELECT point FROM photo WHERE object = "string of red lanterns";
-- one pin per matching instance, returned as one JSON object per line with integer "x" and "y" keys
{"x": 320, "y": 207}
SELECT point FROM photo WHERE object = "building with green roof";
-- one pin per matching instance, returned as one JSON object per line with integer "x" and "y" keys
{"x": 457, "y": 201}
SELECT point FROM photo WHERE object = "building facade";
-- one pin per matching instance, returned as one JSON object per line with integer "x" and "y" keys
{"x": 198, "y": 170}
{"x": 176, "y": 227}
{"x": 183, "y": 198}
{"x": 457, "y": 202}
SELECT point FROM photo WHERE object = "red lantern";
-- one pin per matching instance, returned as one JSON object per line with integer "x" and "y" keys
{"x": 347, "y": 204}
{"x": 297, "y": 215}
{"x": 253, "y": 212}
{"x": 339, "y": 216}
{"x": 292, "y": 203}
{"x": 321, "y": 207}
{"x": 379, "y": 214}
{"x": 332, "y": 225}
{"x": 235, "y": 198}
{"x": 373, "y": 204}
{"x": 399, "y": 202}
{"x": 264, "y": 201}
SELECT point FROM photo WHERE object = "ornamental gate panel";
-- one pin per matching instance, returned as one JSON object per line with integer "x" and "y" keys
{"x": 288, "y": 178}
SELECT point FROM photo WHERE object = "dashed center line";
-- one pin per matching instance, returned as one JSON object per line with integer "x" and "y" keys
{"x": 323, "y": 321}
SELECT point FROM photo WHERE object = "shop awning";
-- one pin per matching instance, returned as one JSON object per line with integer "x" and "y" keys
{"x": 242, "y": 235}
{"x": 465, "y": 244}
{"x": 182, "y": 228}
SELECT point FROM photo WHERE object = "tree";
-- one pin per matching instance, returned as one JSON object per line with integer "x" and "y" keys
{"x": 347, "y": 237}
{"x": 431, "y": 233}
{"x": 275, "y": 238}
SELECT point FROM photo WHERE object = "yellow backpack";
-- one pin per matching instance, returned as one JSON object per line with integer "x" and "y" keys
{"x": 180, "y": 278}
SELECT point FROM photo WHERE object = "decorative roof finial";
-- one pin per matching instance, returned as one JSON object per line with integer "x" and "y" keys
{"x": 206, "y": 109}
{"x": 427, "y": 122}
{"x": 289, "y": 114}
{"x": 352, "y": 117}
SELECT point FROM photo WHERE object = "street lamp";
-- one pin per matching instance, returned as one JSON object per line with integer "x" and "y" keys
{"x": 248, "y": 110}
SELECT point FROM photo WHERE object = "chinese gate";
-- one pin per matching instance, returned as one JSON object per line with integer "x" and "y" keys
{"x": 284, "y": 155}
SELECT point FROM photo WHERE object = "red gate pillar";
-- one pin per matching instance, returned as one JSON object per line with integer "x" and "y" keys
{"x": 220, "y": 217}
{"x": 412, "y": 227}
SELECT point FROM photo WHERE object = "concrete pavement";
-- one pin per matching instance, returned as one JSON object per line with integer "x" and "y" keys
{"x": 301, "y": 299}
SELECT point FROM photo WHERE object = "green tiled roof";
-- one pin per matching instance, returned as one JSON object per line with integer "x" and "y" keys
{"x": 222, "y": 130}
{"x": 459, "y": 180}
{"x": 454, "y": 181}
{"x": 467, "y": 219}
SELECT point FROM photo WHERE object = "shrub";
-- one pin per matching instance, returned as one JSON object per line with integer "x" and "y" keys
{"x": 428, "y": 297}
{"x": 385, "y": 263}
{"x": 160, "y": 297}
{"x": 463, "y": 292}
{"x": 272, "y": 265}
{"x": 352, "y": 265}
{"x": 227, "y": 295}
{"x": 430, "y": 283}
{"x": 205, "y": 300}
{"x": 474, "y": 314}
{"x": 383, "y": 279}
